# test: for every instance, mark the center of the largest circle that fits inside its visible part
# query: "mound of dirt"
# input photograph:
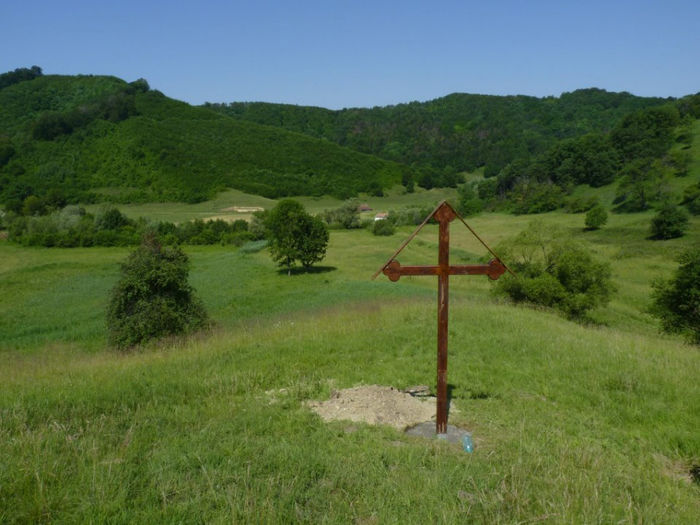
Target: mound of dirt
(377, 405)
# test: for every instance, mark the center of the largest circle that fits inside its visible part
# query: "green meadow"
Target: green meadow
(572, 423)
(225, 205)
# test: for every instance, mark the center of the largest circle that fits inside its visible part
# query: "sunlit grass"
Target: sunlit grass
(572, 423)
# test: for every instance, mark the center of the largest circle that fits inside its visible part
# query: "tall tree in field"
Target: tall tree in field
(295, 235)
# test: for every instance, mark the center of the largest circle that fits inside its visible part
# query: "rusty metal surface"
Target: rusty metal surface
(444, 214)
(494, 269)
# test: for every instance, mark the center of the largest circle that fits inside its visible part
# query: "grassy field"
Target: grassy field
(572, 423)
(224, 204)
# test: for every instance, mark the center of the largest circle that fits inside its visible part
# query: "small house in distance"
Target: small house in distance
(382, 215)
(364, 207)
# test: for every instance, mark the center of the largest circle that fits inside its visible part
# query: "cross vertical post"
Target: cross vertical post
(444, 214)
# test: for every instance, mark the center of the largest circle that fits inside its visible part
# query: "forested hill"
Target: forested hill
(71, 138)
(457, 132)
(89, 138)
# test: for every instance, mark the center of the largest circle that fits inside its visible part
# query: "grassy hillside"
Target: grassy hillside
(80, 134)
(572, 423)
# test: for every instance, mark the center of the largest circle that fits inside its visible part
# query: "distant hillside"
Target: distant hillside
(459, 131)
(92, 138)
(534, 151)
(97, 137)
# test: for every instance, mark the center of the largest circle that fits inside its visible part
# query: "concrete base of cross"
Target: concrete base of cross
(454, 434)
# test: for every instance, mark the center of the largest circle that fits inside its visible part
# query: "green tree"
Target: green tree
(153, 297)
(294, 235)
(6, 150)
(647, 133)
(677, 301)
(33, 205)
(111, 219)
(596, 217)
(50, 125)
(670, 222)
(642, 186)
(20, 74)
(590, 159)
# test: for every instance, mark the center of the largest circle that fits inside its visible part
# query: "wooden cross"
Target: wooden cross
(443, 214)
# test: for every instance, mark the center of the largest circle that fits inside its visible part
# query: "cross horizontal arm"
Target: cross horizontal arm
(394, 270)
(494, 269)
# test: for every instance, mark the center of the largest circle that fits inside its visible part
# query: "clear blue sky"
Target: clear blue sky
(361, 53)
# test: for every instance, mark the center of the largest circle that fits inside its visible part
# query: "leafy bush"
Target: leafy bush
(153, 298)
(346, 216)
(596, 218)
(383, 227)
(670, 222)
(469, 201)
(411, 215)
(677, 301)
(554, 273)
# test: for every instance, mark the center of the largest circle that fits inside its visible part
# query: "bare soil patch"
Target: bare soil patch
(376, 405)
(243, 209)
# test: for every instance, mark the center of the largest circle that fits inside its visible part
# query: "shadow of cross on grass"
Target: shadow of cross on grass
(444, 214)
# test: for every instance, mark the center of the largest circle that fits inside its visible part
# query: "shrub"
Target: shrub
(596, 218)
(677, 301)
(554, 273)
(469, 201)
(111, 219)
(153, 298)
(383, 227)
(346, 216)
(410, 216)
(670, 222)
